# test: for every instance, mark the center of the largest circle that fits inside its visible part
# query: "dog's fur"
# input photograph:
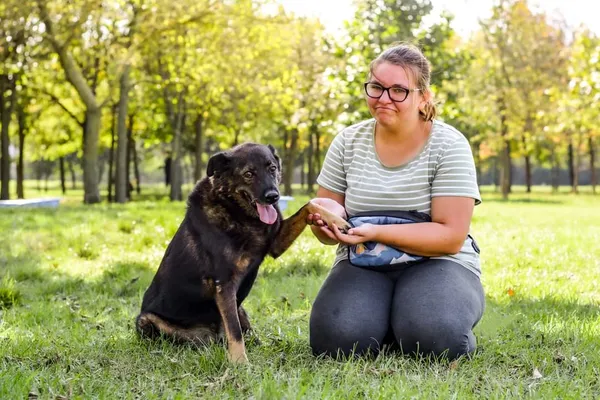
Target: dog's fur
(212, 261)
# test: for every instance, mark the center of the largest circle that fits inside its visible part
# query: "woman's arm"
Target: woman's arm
(333, 202)
(451, 219)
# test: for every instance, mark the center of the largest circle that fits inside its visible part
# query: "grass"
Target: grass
(71, 282)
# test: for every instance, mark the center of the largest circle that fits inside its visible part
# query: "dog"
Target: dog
(231, 224)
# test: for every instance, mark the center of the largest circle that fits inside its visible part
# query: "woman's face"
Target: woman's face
(383, 109)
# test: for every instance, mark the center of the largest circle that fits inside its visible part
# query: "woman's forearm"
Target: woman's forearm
(429, 239)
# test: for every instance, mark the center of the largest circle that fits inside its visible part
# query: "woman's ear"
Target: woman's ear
(427, 109)
(426, 97)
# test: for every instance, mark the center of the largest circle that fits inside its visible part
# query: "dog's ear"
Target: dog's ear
(218, 163)
(275, 155)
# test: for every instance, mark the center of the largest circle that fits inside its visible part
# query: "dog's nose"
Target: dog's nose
(272, 196)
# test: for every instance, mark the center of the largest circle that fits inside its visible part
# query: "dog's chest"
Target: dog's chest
(249, 248)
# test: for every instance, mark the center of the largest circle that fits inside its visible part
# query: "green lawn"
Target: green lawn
(71, 282)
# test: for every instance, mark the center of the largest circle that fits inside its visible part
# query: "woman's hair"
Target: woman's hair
(409, 56)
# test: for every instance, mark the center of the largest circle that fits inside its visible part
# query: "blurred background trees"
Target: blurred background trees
(111, 94)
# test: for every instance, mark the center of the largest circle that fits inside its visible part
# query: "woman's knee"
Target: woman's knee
(442, 338)
(351, 312)
(340, 336)
(442, 321)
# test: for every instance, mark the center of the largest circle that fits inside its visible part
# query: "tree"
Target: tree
(14, 31)
(60, 34)
(581, 103)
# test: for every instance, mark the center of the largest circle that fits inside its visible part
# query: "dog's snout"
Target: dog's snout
(271, 196)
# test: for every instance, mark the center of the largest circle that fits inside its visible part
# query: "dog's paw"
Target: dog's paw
(340, 222)
(329, 218)
(237, 358)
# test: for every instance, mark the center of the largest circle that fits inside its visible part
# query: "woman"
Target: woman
(402, 159)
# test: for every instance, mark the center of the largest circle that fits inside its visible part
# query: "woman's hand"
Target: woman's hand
(315, 219)
(361, 234)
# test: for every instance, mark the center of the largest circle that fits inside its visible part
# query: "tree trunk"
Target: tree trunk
(178, 121)
(555, 171)
(528, 132)
(20, 163)
(317, 153)
(528, 179)
(477, 160)
(572, 169)
(111, 155)
(122, 176)
(301, 159)
(128, 159)
(63, 185)
(136, 167)
(527, 167)
(101, 166)
(38, 175)
(505, 172)
(90, 156)
(593, 177)
(6, 108)
(284, 157)
(176, 172)
(289, 163)
(310, 159)
(495, 174)
(198, 168)
(72, 171)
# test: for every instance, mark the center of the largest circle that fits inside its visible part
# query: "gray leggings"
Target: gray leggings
(428, 308)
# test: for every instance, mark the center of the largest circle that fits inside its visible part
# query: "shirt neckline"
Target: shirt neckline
(403, 165)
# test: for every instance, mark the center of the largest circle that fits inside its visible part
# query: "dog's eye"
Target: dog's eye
(272, 168)
(248, 174)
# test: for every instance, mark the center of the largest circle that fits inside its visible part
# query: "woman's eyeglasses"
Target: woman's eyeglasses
(396, 93)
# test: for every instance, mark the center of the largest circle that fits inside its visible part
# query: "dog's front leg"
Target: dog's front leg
(226, 300)
(293, 226)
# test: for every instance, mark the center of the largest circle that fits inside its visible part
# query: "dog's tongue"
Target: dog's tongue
(267, 214)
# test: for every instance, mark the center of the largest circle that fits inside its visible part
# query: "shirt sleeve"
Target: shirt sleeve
(333, 174)
(455, 174)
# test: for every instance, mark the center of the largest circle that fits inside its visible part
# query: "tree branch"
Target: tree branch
(72, 70)
(55, 98)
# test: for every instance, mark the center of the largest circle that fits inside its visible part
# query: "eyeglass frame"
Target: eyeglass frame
(387, 89)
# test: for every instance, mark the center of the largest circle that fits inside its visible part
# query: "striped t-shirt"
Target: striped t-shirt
(444, 167)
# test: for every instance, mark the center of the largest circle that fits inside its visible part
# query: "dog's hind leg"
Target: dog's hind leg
(152, 326)
(244, 320)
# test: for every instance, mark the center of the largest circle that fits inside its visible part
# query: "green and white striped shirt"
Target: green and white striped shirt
(444, 167)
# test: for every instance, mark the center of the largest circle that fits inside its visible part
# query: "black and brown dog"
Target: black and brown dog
(232, 222)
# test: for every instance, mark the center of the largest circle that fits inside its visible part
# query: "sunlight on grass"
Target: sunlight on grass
(71, 282)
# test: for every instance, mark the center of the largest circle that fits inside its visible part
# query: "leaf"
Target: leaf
(537, 374)
(510, 292)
